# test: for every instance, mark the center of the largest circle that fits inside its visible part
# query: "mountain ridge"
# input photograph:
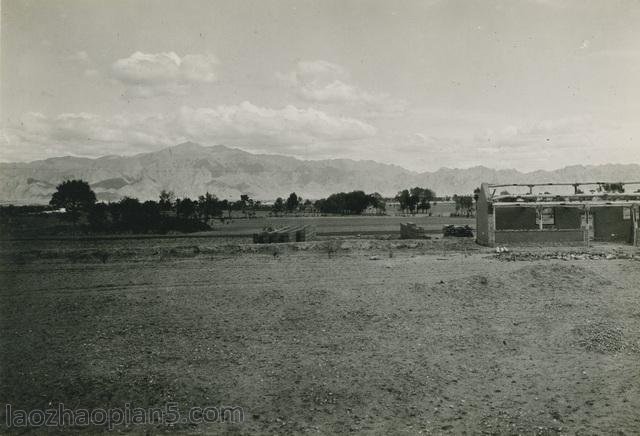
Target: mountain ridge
(191, 169)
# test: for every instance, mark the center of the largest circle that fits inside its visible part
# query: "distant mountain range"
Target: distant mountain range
(191, 169)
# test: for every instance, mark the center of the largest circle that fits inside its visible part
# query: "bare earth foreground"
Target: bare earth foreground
(369, 336)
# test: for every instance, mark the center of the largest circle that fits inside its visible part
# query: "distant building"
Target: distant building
(392, 207)
(505, 217)
(372, 210)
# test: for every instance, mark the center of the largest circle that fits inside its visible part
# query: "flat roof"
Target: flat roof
(566, 203)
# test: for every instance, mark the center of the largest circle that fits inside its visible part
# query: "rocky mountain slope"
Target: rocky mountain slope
(190, 170)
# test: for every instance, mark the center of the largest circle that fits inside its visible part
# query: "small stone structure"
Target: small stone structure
(299, 233)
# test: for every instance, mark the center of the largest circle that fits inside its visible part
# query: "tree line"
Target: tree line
(416, 199)
(169, 213)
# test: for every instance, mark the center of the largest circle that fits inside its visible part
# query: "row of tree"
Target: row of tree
(349, 203)
(416, 199)
(185, 214)
(130, 214)
(464, 205)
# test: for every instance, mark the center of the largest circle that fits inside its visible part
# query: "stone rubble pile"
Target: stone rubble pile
(528, 256)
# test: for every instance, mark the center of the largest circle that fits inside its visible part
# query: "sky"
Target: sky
(524, 84)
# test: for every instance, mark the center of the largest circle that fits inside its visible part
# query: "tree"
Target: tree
(166, 200)
(292, 202)
(75, 196)
(278, 206)
(464, 204)
(307, 206)
(185, 208)
(344, 203)
(404, 198)
(243, 204)
(420, 198)
(209, 206)
(476, 194)
(226, 205)
(151, 216)
(97, 217)
(376, 200)
(415, 199)
(131, 215)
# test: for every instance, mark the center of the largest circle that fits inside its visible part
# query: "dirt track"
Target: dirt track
(426, 338)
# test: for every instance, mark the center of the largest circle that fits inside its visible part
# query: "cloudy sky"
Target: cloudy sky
(527, 84)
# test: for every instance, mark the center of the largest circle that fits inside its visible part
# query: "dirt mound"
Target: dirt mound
(562, 255)
(561, 276)
(603, 337)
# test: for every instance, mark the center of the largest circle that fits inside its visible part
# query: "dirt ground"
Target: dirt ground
(363, 336)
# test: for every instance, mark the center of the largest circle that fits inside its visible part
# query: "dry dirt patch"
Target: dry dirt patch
(429, 340)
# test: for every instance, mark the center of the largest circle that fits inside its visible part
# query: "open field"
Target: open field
(341, 225)
(36, 227)
(369, 336)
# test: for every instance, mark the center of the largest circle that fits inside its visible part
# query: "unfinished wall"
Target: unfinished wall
(482, 217)
(539, 236)
(609, 225)
(516, 218)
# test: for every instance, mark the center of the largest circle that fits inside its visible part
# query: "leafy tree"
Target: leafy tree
(225, 205)
(246, 204)
(476, 194)
(376, 200)
(292, 202)
(166, 200)
(243, 204)
(209, 206)
(344, 203)
(75, 196)
(98, 217)
(278, 206)
(131, 215)
(404, 198)
(464, 204)
(185, 208)
(420, 198)
(151, 216)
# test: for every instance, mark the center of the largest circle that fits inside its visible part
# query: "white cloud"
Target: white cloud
(148, 75)
(289, 125)
(327, 83)
(274, 130)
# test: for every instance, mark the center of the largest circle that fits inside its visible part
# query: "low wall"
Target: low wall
(538, 236)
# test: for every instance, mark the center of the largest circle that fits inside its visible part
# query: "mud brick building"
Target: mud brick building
(591, 211)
